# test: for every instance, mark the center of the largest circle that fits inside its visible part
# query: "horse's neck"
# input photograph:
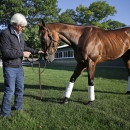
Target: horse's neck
(70, 34)
(69, 37)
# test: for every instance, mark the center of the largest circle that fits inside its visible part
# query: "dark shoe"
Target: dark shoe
(65, 100)
(4, 116)
(13, 108)
(89, 103)
(128, 92)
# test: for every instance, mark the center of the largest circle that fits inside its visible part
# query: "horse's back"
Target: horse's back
(108, 44)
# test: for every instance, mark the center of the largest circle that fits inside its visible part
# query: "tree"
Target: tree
(34, 10)
(66, 17)
(114, 24)
(96, 14)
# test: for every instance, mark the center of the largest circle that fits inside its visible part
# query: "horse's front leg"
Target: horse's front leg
(79, 69)
(91, 72)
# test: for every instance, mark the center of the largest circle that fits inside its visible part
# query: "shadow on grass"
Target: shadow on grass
(53, 100)
(108, 92)
(45, 87)
(60, 100)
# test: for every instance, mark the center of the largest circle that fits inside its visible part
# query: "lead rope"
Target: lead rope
(40, 80)
(39, 71)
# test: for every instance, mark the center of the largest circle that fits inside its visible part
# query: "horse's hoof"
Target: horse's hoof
(65, 101)
(128, 92)
(89, 103)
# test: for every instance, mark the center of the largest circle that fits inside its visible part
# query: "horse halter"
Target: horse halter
(52, 41)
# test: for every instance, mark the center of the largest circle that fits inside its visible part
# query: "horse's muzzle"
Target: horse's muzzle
(48, 58)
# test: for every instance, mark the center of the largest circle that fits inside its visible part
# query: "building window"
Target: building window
(64, 54)
(70, 53)
(58, 55)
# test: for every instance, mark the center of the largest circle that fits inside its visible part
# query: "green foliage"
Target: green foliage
(101, 10)
(61, 43)
(101, 25)
(65, 17)
(110, 110)
(96, 14)
(114, 24)
(7, 9)
(83, 14)
(34, 10)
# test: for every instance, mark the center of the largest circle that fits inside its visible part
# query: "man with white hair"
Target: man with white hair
(13, 49)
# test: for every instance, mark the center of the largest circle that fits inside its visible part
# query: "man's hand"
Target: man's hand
(26, 54)
(40, 52)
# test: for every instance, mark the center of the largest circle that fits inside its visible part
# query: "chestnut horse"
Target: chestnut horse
(91, 45)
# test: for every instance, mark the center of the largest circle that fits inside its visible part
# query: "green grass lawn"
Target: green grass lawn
(110, 110)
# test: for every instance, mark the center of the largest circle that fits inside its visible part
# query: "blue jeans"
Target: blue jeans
(14, 85)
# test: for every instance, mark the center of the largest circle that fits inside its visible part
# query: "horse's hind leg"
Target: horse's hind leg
(79, 69)
(126, 59)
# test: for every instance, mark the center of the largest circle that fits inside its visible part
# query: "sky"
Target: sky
(121, 6)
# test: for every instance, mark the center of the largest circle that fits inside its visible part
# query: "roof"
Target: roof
(63, 46)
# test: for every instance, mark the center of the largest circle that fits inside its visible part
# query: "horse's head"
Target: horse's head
(49, 41)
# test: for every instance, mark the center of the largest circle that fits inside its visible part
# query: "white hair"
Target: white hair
(18, 19)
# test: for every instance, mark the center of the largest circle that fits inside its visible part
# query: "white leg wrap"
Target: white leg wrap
(128, 88)
(91, 94)
(69, 89)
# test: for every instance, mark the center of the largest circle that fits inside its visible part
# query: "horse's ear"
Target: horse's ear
(43, 23)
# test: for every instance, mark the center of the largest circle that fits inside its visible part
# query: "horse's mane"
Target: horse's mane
(84, 25)
(87, 25)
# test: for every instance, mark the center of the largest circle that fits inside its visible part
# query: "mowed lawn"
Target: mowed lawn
(110, 110)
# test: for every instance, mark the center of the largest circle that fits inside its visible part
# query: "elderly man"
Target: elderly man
(13, 49)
